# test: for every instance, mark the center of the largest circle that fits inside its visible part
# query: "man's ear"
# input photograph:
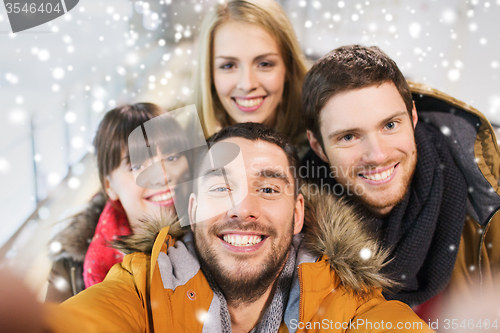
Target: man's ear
(315, 145)
(414, 115)
(192, 210)
(109, 189)
(298, 214)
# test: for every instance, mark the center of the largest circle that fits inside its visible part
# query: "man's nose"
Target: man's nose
(375, 150)
(246, 210)
(248, 80)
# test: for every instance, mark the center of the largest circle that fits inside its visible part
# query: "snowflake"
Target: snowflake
(55, 247)
(415, 29)
(61, 284)
(445, 130)
(453, 75)
(73, 183)
(365, 253)
(43, 55)
(43, 213)
(473, 26)
(4, 165)
(449, 16)
(70, 117)
(58, 73)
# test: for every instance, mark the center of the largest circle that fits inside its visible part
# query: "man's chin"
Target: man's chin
(381, 204)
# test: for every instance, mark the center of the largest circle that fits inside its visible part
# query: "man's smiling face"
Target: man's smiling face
(369, 142)
(246, 246)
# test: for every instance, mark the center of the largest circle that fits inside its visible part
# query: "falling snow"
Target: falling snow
(365, 253)
(131, 51)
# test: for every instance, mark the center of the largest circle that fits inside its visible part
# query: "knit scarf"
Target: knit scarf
(100, 257)
(273, 316)
(423, 231)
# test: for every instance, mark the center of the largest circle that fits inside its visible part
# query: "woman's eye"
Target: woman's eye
(266, 64)
(227, 66)
(135, 167)
(172, 158)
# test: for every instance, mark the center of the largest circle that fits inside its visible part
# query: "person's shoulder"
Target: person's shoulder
(378, 314)
(73, 241)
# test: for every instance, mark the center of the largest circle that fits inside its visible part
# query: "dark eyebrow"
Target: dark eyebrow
(255, 59)
(270, 173)
(219, 172)
(357, 129)
(125, 158)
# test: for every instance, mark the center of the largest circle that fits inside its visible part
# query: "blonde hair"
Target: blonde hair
(268, 15)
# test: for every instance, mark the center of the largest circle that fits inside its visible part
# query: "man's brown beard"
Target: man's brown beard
(242, 290)
(406, 181)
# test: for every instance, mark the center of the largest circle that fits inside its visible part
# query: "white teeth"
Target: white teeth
(245, 240)
(379, 176)
(162, 197)
(248, 103)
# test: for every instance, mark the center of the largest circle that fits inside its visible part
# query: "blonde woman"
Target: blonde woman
(250, 68)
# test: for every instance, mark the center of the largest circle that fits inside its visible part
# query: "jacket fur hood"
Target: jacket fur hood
(76, 237)
(335, 228)
(332, 228)
(144, 239)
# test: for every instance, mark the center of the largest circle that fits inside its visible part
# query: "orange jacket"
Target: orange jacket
(335, 290)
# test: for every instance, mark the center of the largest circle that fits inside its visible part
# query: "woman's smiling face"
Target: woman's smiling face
(139, 202)
(248, 72)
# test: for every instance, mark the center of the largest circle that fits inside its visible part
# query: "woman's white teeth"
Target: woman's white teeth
(379, 176)
(161, 197)
(248, 103)
(245, 240)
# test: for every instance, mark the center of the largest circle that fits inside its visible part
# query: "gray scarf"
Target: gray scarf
(273, 316)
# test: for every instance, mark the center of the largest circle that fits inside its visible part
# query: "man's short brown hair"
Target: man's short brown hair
(347, 68)
(256, 131)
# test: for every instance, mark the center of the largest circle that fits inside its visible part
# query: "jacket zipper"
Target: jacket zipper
(301, 301)
(481, 243)
(73, 279)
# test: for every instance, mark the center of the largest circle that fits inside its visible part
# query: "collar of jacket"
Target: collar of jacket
(464, 127)
(335, 251)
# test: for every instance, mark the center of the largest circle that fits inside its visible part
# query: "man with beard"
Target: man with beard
(428, 180)
(246, 262)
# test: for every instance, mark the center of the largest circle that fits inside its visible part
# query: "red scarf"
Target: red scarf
(100, 256)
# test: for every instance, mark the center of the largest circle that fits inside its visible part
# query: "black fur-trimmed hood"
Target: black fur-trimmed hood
(76, 237)
(332, 228)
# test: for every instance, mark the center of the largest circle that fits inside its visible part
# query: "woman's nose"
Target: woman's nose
(159, 177)
(248, 80)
